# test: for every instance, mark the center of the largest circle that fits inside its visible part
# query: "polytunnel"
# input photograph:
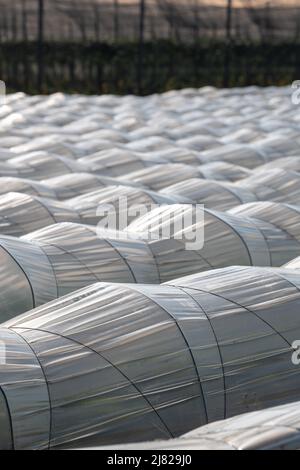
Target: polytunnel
(16, 207)
(213, 194)
(244, 135)
(26, 186)
(285, 163)
(89, 208)
(274, 146)
(236, 154)
(91, 144)
(62, 258)
(148, 144)
(275, 428)
(223, 171)
(114, 162)
(75, 184)
(226, 350)
(174, 154)
(198, 143)
(61, 187)
(72, 256)
(6, 169)
(284, 216)
(125, 201)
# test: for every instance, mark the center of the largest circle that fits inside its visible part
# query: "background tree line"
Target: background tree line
(146, 46)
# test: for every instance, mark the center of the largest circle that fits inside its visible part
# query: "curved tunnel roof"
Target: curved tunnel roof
(212, 356)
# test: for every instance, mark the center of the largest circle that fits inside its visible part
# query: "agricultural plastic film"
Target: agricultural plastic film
(223, 171)
(294, 264)
(236, 154)
(114, 162)
(286, 163)
(166, 358)
(75, 184)
(61, 187)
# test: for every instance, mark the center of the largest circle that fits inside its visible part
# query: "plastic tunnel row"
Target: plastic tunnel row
(62, 258)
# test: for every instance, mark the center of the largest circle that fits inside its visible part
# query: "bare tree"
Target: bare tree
(40, 48)
(96, 19)
(263, 20)
(116, 16)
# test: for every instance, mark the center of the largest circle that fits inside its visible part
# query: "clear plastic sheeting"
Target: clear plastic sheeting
(41, 165)
(24, 213)
(113, 162)
(116, 136)
(75, 184)
(167, 358)
(236, 154)
(6, 169)
(223, 171)
(174, 154)
(213, 194)
(25, 391)
(5, 426)
(198, 143)
(26, 186)
(274, 146)
(228, 240)
(276, 428)
(142, 352)
(62, 258)
(274, 185)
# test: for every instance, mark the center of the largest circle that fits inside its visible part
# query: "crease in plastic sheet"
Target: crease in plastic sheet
(277, 185)
(23, 383)
(16, 207)
(213, 194)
